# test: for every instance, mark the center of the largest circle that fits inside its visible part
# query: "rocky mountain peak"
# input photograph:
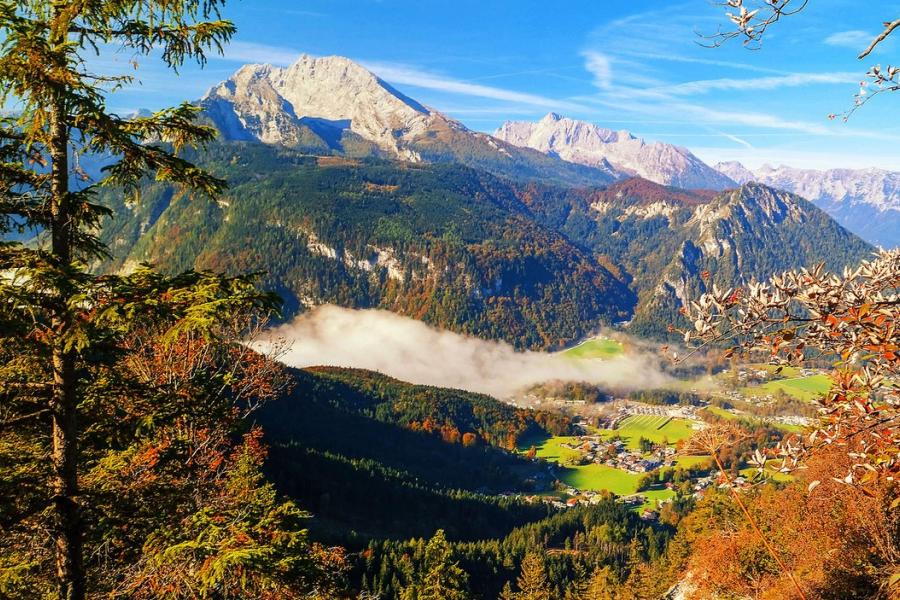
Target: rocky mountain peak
(588, 144)
(271, 103)
(865, 201)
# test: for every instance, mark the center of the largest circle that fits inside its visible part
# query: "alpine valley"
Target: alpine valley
(306, 337)
(345, 191)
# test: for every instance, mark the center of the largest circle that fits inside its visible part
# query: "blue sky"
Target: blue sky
(632, 65)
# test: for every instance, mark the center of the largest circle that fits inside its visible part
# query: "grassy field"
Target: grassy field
(600, 477)
(721, 412)
(635, 427)
(596, 477)
(596, 348)
(805, 388)
(622, 483)
(802, 388)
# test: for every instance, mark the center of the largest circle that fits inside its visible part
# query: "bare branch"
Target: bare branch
(888, 30)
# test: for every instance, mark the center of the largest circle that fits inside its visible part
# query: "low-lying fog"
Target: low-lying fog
(412, 351)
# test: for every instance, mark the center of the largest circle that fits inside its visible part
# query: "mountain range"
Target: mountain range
(334, 105)
(865, 201)
(345, 191)
(585, 143)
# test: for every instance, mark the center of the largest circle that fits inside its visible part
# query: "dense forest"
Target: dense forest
(534, 264)
(442, 243)
(671, 244)
(378, 457)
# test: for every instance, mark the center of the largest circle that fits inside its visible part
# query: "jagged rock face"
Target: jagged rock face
(865, 201)
(663, 240)
(332, 105)
(588, 144)
(273, 104)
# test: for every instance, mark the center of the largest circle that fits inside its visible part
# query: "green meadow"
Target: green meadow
(803, 388)
(596, 348)
(594, 477)
(632, 429)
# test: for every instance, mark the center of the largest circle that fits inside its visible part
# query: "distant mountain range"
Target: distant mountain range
(587, 144)
(865, 201)
(332, 105)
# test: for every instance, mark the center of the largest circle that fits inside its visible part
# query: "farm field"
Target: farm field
(600, 477)
(596, 348)
(802, 388)
(596, 477)
(635, 427)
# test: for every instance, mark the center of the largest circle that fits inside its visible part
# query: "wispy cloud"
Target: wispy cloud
(251, 52)
(400, 74)
(651, 43)
(599, 66)
(737, 140)
(704, 115)
(854, 38)
(760, 83)
(656, 39)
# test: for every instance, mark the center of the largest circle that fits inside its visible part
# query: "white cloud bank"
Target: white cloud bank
(412, 351)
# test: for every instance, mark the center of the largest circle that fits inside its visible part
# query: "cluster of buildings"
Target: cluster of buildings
(614, 453)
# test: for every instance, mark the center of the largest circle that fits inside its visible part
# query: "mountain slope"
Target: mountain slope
(333, 105)
(329, 450)
(664, 239)
(442, 243)
(585, 143)
(865, 201)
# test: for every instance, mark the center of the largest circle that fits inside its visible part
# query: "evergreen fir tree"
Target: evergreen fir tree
(532, 581)
(442, 579)
(86, 404)
(602, 585)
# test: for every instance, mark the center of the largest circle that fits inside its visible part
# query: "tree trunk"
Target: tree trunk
(66, 527)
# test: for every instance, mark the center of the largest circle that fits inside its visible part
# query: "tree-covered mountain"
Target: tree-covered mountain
(439, 242)
(374, 457)
(865, 201)
(537, 265)
(671, 244)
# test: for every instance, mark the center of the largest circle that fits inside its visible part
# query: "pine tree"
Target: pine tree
(578, 588)
(602, 585)
(64, 331)
(442, 579)
(634, 586)
(532, 581)
(506, 593)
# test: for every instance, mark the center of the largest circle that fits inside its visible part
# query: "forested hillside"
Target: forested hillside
(536, 265)
(442, 243)
(373, 457)
(671, 245)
